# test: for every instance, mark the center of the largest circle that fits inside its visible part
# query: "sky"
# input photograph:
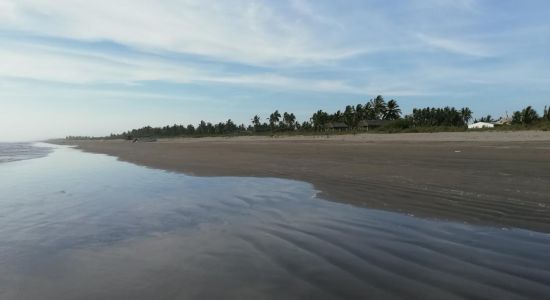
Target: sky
(80, 67)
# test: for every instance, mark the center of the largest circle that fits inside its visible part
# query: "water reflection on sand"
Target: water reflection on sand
(84, 226)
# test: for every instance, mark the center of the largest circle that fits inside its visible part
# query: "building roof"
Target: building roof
(481, 125)
(336, 125)
(503, 121)
(374, 123)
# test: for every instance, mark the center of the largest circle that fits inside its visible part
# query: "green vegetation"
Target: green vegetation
(376, 115)
(529, 119)
(527, 116)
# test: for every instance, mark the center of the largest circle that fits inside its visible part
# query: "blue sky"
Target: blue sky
(96, 67)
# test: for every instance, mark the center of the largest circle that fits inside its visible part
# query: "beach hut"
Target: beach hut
(369, 124)
(480, 125)
(337, 126)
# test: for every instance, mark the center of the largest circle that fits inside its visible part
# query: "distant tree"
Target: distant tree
(487, 119)
(319, 120)
(338, 116)
(392, 111)
(256, 122)
(529, 115)
(350, 117)
(202, 128)
(379, 107)
(447, 116)
(546, 115)
(289, 121)
(517, 118)
(230, 127)
(210, 128)
(306, 125)
(368, 111)
(526, 116)
(466, 114)
(274, 119)
(360, 111)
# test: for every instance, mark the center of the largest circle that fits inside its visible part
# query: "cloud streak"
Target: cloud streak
(455, 46)
(244, 31)
(81, 67)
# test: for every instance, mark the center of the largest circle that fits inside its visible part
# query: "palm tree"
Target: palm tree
(379, 106)
(256, 122)
(487, 119)
(289, 120)
(230, 126)
(274, 119)
(360, 111)
(350, 117)
(292, 120)
(319, 119)
(393, 112)
(529, 115)
(466, 114)
(336, 117)
(368, 111)
(517, 118)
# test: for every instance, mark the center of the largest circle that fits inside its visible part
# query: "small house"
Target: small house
(370, 124)
(336, 126)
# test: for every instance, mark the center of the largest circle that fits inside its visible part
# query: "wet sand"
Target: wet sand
(76, 225)
(492, 178)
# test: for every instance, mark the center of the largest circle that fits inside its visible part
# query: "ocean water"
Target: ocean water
(21, 151)
(75, 225)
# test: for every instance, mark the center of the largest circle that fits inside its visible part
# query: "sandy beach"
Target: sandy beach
(488, 178)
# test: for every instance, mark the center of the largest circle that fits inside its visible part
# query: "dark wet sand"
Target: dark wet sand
(500, 179)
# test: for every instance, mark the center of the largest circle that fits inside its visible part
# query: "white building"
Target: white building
(480, 125)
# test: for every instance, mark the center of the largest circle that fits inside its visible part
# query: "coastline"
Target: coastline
(487, 178)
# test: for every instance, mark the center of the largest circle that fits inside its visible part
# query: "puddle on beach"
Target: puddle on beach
(75, 225)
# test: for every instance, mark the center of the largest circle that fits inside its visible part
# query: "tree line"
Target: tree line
(529, 115)
(320, 121)
(276, 122)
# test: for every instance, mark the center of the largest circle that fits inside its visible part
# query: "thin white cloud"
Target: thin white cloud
(304, 8)
(243, 31)
(51, 64)
(455, 46)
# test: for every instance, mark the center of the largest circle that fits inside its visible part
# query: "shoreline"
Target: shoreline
(486, 178)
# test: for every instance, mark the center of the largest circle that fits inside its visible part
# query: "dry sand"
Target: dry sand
(493, 178)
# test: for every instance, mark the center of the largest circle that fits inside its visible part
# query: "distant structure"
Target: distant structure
(503, 121)
(370, 124)
(363, 125)
(480, 125)
(336, 126)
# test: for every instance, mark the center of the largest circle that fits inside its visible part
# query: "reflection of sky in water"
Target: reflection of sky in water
(78, 225)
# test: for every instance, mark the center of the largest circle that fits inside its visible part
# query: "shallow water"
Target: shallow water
(75, 225)
(21, 151)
